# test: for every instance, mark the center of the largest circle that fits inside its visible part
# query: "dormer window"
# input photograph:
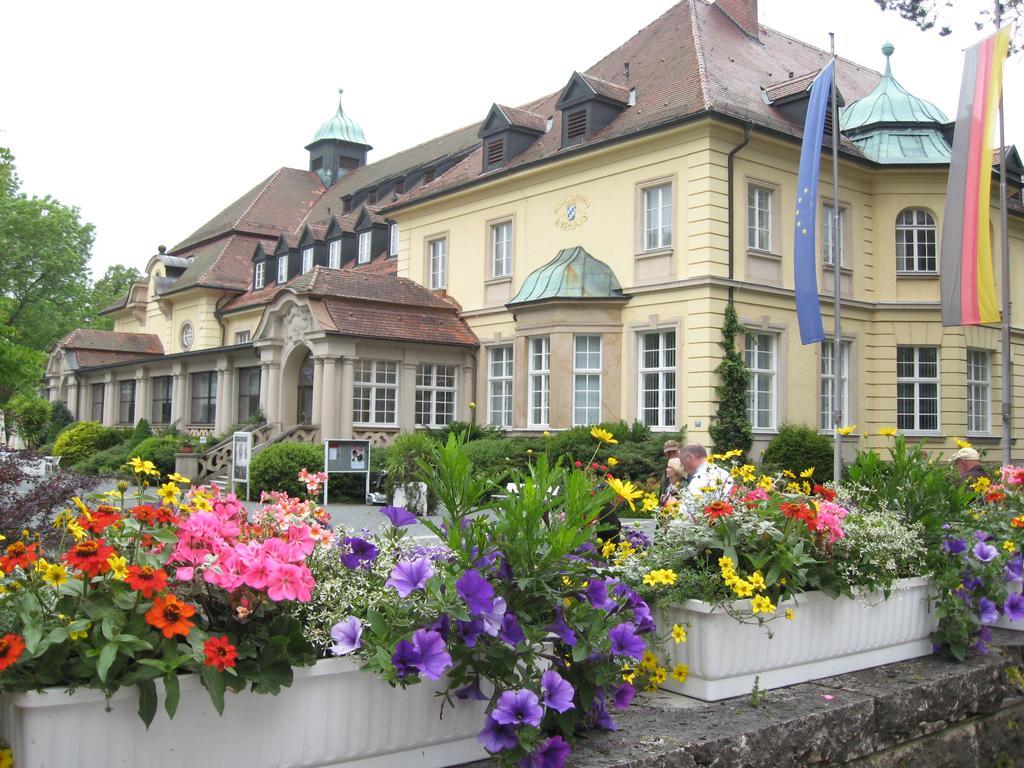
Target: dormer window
(282, 269)
(576, 124)
(393, 239)
(588, 104)
(365, 244)
(260, 278)
(307, 259)
(334, 254)
(495, 152)
(506, 132)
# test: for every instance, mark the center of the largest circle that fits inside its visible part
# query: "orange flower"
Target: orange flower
(800, 512)
(19, 554)
(146, 579)
(99, 520)
(11, 648)
(220, 653)
(89, 556)
(717, 509)
(170, 616)
(1018, 522)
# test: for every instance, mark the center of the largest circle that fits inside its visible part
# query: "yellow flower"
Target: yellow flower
(681, 672)
(766, 483)
(793, 488)
(118, 567)
(888, 431)
(659, 675)
(961, 443)
(472, 405)
(612, 461)
(743, 588)
(202, 504)
(55, 575)
(648, 660)
(168, 493)
(807, 473)
(757, 581)
(678, 633)
(788, 473)
(62, 519)
(142, 467)
(725, 563)
(608, 549)
(650, 502)
(545, 433)
(625, 489)
(6, 758)
(662, 576)
(1009, 546)
(762, 604)
(82, 509)
(847, 430)
(628, 677)
(114, 494)
(174, 477)
(603, 435)
(81, 634)
(790, 614)
(981, 485)
(76, 530)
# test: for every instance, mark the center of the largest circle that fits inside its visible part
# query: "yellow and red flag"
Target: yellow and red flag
(968, 277)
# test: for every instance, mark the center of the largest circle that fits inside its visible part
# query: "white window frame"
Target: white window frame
(539, 404)
(380, 382)
(307, 259)
(917, 382)
(657, 216)
(762, 379)
(282, 269)
(664, 372)
(584, 377)
(260, 278)
(826, 362)
(243, 337)
(759, 238)
(334, 254)
(501, 249)
(500, 369)
(393, 239)
(979, 392)
(918, 236)
(365, 246)
(437, 263)
(126, 407)
(436, 392)
(827, 248)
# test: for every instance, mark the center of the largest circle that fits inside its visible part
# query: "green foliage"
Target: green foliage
(402, 462)
(798, 447)
(30, 417)
(112, 286)
(159, 449)
(108, 462)
(730, 429)
(276, 468)
(20, 367)
(60, 417)
(82, 438)
(141, 432)
(468, 431)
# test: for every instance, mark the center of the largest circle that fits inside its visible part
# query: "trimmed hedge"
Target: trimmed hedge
(160, 450)
(276, 468)
(798, 447)
(84, 438)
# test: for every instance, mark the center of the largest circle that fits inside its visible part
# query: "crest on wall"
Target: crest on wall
(572, 212)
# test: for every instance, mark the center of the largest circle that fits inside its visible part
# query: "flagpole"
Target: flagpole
(837, 336)
(1005, 264)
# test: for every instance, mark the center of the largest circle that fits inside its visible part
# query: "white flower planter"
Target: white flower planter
(829, 636)
(332, 715)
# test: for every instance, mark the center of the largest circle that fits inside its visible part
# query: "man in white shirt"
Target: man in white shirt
(705, 478)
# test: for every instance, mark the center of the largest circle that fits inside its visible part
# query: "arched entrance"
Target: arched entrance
(298, 376)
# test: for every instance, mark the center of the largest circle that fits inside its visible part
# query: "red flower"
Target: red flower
(19, 554)
(803, 512)
(994, 496)
(579, 464)
(99, 520)
(826, 493)
(89, 556)
(147, 514)
(717, 509)
(170, 616)
(220, 653)
(11, 648)
(146, 579)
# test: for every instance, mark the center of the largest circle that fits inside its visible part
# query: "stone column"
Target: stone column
(318, 391)
(179, 396)
(274, 394)
(73, 399)
(264, 384)
(465, 395)
(407, 397)
(347, 393)
(109, 400)
(142, 403)
(329, 422)
(224, 416)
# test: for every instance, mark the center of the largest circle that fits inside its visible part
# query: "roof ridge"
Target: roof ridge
(816, 48)
(698, 50)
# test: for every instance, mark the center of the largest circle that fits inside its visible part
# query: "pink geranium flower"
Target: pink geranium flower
(287, 581)
(1012, 475)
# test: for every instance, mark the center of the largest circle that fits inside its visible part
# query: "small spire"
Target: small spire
(887, 50)
(340, 92)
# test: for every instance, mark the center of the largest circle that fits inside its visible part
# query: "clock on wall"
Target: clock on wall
(572, 212)
(188, 334)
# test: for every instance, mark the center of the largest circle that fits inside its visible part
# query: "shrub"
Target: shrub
(60, 417)
(83, 438)
(109, 461)
(465, 431)
(30, 417)
(276, 468)
(160, 450)
(798, 447)
(730, 428)
(401, 462)
(140, 433)
(31, 501)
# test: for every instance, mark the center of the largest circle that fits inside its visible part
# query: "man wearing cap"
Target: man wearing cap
(671, 451)
(968, 466)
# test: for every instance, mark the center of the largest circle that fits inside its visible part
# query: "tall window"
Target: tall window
(334, 254)
(248, 392)
(979, 384)
(97, 392)
(365, 245)
(161, 411)
(540, 381)
(827, 374)
(375, 395)
(658, 379)
(282, 269)
(261, 275)
(204, 397)
(499, 385)
(501, 249)
(917, 388)
(438, 263)
(435, 395)
(126, 402)
(657, 217)
(586, 374)
(393, 239)
(307, 259)
(759, 218)
(915, 241)
(829, 249)
(760, 359)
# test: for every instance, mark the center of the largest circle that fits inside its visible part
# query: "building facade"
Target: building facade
(569, 261)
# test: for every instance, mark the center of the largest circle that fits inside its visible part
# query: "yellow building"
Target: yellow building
(569, 261)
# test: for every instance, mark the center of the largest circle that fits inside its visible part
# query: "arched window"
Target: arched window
(915, 241)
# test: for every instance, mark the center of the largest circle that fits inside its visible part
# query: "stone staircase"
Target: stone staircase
(215, 464)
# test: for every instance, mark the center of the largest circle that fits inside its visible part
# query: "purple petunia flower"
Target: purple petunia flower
(970, 581)
(625, 641)
(470, 631)
(493, 618)
(471, 692)
(476, 591)
(347, 636)
(551, 754)
(987, 611)
(518, 708)
(982, 535)
(623, 696)
(360, 554)
(985, 552)
(597, 594)
(511, 632)
(1014, 570)
(496, 737)
(1014, 607)
(954, 546)
(557, 691)
(405, 659)
(408, 576)
(433, 654)
(399, 516)
(442, 625)
(599, 715)
(560, 628)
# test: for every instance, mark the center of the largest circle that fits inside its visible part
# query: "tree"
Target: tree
(112, 286)
(730, 429)
(20, 368)
(30, 417)
(928, 14)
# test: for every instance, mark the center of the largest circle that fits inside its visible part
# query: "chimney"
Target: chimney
(743, 12)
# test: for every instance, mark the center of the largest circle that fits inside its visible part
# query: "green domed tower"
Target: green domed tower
(338, 147)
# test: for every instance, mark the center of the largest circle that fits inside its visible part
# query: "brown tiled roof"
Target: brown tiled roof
(607, 89)
(396, 322)
(113, 341)
(379, 264)
(90, 358)
(365, 286)
(798, 84)
(222, 263)
(523, 119)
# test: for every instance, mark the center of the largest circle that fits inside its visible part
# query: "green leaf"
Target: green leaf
(173, 693)
(580, 652)
(377, 623)
(214, 682)
(33, 635)
(107, 657)
(147, 701)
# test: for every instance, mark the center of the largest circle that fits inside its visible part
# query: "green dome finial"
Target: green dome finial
(887, 51)
(341, 127)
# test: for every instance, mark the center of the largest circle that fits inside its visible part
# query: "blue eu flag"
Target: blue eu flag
(805, 272)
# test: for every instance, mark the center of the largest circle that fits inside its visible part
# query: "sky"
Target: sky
(152, 118)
